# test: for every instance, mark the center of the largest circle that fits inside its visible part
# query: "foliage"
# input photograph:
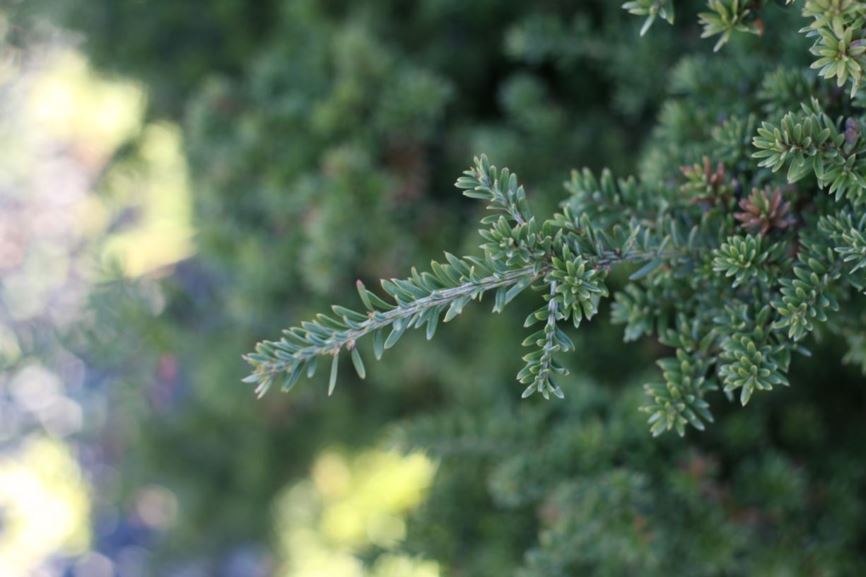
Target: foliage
(297, 117)
(321, 141)
(740, 334)
(577, 486)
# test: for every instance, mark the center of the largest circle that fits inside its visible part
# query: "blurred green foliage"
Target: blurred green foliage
(322, 138)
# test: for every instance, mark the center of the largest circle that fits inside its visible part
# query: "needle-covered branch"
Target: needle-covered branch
(837, 27)
(421, 300)
(565, 255)
(726, 263)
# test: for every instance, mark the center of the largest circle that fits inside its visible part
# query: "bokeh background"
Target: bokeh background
(181, 179)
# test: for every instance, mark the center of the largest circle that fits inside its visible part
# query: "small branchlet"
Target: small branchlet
(839, 31)
(420, 300)
(652, 9)
(724, 17)
(810, 142)
(765, 210)
(752, 357)
(706, 183)
(540, 365)
(743, 258)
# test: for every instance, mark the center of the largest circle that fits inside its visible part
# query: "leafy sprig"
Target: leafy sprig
(652, 9)
(809, 141)
(732, 282)
(837, 27)
(724, 17)
(839, 31)
(420, 300)
(565, 254)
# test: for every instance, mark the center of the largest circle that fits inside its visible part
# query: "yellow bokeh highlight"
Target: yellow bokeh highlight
(68, 115)
(402, 566)
(44, 505)
(69, 102)
(364, 503)
(158, 185)
(348, 504)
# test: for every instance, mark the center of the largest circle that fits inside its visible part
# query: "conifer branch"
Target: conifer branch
(417, 301)
(810, 142)
(651, 9)
(839, 30)
(540, 366)
(731, 280)
(566, 254)
(724, 17)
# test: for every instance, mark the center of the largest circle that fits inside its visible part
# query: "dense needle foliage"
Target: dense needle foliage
(323, 138)
(734, 265)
